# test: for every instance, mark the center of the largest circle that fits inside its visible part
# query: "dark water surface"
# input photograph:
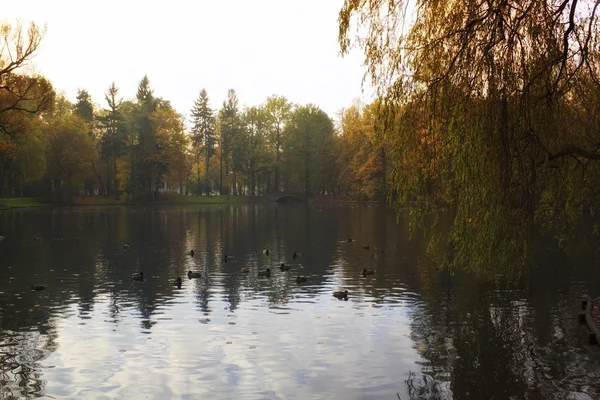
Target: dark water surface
(409, 330)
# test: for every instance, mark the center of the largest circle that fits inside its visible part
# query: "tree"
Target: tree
(114, 138)
(204, 133)
(84, 107)
(22, 94)
(278, 109)
(171, 144)
(252, 144)
(487, 109)
(229, 127)
(70, 155)
(360, 156)
(146, 104)
(308, 131)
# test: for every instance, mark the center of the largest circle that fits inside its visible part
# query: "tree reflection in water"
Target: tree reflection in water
(467, 338)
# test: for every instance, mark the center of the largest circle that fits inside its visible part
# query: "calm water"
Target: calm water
(409, 330)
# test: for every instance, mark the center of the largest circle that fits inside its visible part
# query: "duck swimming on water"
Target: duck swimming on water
(137, 276)
(176, 282)
(266, 273)
(341, 295)
(284, 267)
(194, 274)
(301, 279)
(37, 288)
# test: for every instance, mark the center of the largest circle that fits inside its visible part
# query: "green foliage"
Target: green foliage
(278, 110)
(204, 134)
(308, 133)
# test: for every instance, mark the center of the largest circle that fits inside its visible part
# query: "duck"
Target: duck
(266, 252)
(367, 247)
(296, 255)
(194, 274)
(176, 282)
(192, 253)
(266, 273)
(245, 270)
(137, 276)
(301, 279)
(284, 267)
(341, 295)
(37, 288)
(366, 272)
(350, 239)
(227, 258)
(126, 246)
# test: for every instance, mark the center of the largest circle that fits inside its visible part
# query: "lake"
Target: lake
(408, 331)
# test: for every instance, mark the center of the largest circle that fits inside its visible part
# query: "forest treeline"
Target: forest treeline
(139, 146)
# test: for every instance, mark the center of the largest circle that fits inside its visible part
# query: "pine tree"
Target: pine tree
(204, 135)
(146, 104)
(113, 140)
(84, 107)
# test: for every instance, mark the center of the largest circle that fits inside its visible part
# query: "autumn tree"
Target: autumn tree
(487, 109)
(70, 154)
(170, 154)
(204, 134)
(360, 157)
(20, 94)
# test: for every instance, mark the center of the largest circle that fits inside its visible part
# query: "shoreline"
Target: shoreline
(171, 200)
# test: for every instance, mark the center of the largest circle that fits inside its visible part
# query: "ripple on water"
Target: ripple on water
(145, 391)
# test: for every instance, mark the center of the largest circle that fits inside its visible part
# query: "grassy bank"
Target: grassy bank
(6, 204)
(164, 199)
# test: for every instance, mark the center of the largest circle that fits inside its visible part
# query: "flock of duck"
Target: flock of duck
(139, 276)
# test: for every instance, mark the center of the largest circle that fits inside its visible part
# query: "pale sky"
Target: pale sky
(258, 48)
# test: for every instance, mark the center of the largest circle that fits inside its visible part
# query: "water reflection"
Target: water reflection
(408, 329)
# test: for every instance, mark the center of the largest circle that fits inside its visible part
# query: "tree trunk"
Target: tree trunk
(198, 167)
(115, 178)
(306, 177)
(234, 183)
(277, 172)
(180, 182)
(98, 177)
(221, 173)
(206, 172)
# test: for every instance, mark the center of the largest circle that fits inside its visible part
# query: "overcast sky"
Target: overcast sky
(258, 48)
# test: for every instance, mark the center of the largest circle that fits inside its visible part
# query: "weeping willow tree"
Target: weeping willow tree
(490, 109)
